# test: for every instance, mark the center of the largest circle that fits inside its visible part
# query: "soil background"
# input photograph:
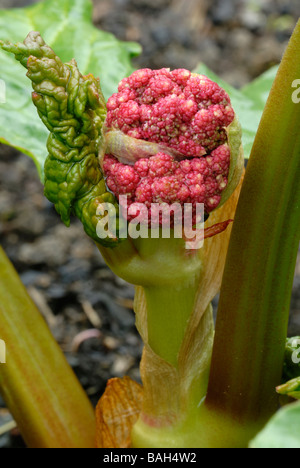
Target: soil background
(61, 268)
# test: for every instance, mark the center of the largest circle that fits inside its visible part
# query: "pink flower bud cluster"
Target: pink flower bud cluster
(181, 111)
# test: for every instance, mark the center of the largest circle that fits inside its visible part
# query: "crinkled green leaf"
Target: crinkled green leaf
(282, 431)
(249, 102)
(73, 109)
(66, 26)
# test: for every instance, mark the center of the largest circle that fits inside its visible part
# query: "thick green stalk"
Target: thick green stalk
(168, 277)
(168, 312)
(173, 393)
(169, 274)
(174, 318)
(255, 297)
(37, 384)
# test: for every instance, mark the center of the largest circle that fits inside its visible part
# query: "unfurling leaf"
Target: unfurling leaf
(291, 388)
(73, 109)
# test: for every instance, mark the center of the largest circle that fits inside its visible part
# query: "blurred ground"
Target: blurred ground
(61, 267)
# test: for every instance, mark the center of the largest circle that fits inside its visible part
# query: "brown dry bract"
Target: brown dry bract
(117, 411)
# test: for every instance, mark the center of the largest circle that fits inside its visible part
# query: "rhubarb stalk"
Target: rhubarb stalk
(37, 383)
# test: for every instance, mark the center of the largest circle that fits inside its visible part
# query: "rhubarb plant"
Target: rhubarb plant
(154, 173)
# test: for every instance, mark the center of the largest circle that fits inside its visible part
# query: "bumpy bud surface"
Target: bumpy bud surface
(183, 120)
